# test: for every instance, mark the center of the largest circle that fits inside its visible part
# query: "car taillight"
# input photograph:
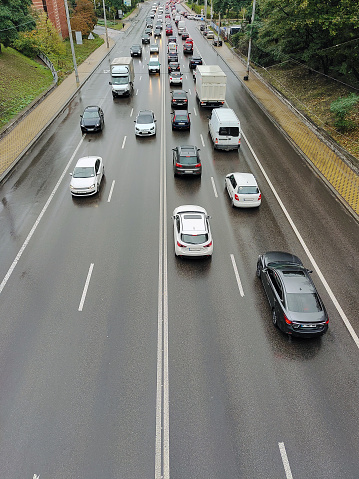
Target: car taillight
(239, 141)
(216, 140)
(178, 165)
(208, 245)
(288, 321)
(180, 245)
(236, 197)
(260, 196)
(185, 100)
(327, 321)
(198, 165)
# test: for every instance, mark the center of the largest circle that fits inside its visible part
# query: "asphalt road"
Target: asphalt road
(119, 360)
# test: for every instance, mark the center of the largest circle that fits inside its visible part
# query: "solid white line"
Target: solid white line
(195, 111)
(237, 276)
(123, 143)
(86, 287)
(285, 460)
(306, 249)
(131, 112)
(111, 190)
(202, 139)
(214, 187)
(32, 231)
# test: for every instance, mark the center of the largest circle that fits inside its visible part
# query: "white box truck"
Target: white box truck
(211, 84)
(122, 76)
(225, 129)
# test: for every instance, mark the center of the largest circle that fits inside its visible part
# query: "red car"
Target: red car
(169, 31)
(189, 40)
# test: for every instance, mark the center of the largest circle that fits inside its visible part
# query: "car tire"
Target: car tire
(258, 271)
(232, 202)
(274, 318)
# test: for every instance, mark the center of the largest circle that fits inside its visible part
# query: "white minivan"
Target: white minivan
(225, 129)
(181, 27)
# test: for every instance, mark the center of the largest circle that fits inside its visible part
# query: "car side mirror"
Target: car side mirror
(110, 83)
(309, 271)
(70, 174)
(264, 270)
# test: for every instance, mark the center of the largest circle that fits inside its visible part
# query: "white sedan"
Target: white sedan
(87, 176)
(192, 233)
(243, 190)
(154, 48)
(145, 123)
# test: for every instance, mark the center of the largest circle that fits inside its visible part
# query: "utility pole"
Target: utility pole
(104, 17)
(71, 43)
(250, 41)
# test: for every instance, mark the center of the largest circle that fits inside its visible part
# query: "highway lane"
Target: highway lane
(85, 390)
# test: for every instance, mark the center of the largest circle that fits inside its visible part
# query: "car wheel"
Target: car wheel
(258, 271)
(232, 202)
(274, 318)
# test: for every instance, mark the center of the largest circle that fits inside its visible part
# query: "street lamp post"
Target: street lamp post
(71, 42)
(104, 17)
(246, 77)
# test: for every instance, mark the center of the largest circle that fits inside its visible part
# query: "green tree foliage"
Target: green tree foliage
(342, 107)
(322, 33)
(84, 18)
(15, 17)
(44, 38)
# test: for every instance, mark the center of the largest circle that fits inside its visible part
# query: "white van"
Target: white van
(172, 47)
(225, 129)
(181, 27)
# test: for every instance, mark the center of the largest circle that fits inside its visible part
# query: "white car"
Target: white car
(192, 233)
(145, 123)
(243, 190)
(175, 78)
(87, 176)
(154, 48)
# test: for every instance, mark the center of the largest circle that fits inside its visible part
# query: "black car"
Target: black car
(145, 38)
(296, 306)
(157, 32)
(185, 35)
(181, 120)
(216, 42)
(179, 99)
(186, 160)
(202, 27)
(172, 57)
(187, 48)
(92, 119)
(136, 51)
(174, 67)
(194, 61)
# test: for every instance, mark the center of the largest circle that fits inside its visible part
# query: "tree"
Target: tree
(84, 18)
(15, 17)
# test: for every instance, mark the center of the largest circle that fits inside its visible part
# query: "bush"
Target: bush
(341, 108)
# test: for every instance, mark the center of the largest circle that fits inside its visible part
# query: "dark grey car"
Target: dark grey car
(296, 306)
(136, 51)
(186, 161)
(92, 119)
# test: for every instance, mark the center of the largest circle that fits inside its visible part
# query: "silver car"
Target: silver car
(154, 48)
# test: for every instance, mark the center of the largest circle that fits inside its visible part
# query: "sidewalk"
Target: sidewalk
(343, 180)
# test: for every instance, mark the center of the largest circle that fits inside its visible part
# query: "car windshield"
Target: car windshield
(303, 302)
(90, 114)
(83, 172)
(119, 80)
(154, 63)
(248, 190)
(194, 239)
(188, 160)
(144, 119)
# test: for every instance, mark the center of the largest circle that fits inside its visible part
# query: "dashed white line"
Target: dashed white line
(237, 276)
(131, 112)
(140, 77)
(189, 91)
(283, 453)
(111, 190)
(194, 110)
(136, 91)
(123, 143)
(214, 187)
(202, 139)
(83, 297)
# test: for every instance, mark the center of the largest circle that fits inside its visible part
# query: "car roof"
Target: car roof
(181, 113)
(91, 108)
(179, 93)
(187, 149)
(245, 179)
(87, 161)
(295, 279)
(145, 112)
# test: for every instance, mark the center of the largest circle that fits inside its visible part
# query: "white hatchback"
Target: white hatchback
(243, 190)
(192, 233)
(145, 123)
(87, 176)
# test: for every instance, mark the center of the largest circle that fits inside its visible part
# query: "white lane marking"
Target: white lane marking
(283, 453)
(306, 249)
(136, 91)
(237, 276)
(202, 139)
(123, 143)
(189, 91)
(162, 470)
(194, 110)
(83, 297)
(111, 190)
(131, 112)
(214, 187)
(32, 231)
(140, 77)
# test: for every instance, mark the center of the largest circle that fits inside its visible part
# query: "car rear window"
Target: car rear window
(181, 117)
(194, 239)
(229, 130)
(248, 190)
(303, 302)
(179, 94)
(188, 160)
